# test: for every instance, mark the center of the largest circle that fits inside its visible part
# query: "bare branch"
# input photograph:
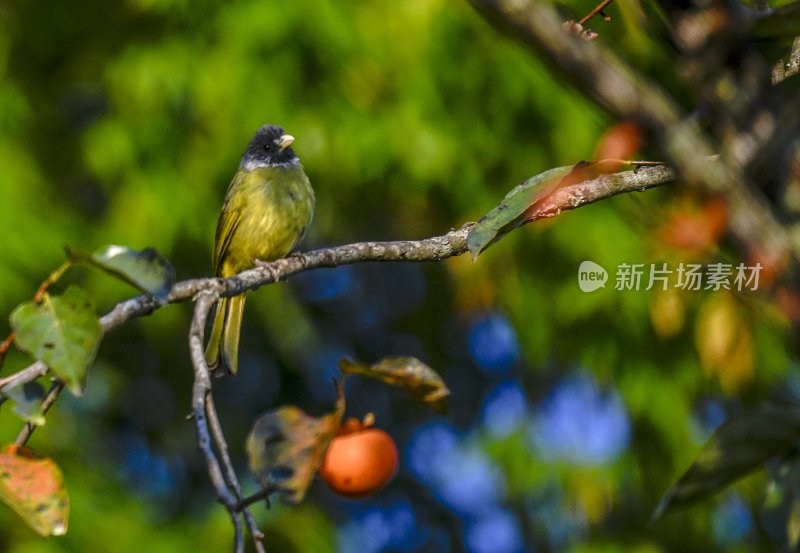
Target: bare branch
(5, 345)
(261, 495)
(28, 374)
(436, 248)
(604, 186)
(200, 392)
(230, 474)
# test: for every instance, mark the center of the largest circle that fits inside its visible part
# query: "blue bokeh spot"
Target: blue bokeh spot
(493, 344)
(496, 532)
(505, 409)
(393, 528)
(460, 476)
(732, 521)
(325, 285)
(581, 424)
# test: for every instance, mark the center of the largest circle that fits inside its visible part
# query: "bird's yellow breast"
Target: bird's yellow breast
(266, 213)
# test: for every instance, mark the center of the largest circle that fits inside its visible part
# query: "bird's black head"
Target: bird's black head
(270, 146)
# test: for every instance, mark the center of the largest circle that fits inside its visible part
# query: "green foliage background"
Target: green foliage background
(122, 123)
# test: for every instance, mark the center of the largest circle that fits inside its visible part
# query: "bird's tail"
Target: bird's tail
(223, 346)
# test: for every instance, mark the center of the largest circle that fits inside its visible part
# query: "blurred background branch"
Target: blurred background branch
(612, 83)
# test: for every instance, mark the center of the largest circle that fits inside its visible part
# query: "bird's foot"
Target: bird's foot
(269, 267)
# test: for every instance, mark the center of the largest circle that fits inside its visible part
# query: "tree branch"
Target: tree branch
(201, 391)
(230, 473)
(28, 374)
(436, 248)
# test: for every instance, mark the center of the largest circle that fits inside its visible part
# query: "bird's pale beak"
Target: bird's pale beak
(285, 141)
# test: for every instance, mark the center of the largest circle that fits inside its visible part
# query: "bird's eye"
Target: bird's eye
(267, 147)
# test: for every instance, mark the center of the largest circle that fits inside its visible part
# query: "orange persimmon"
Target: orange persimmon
(359, 461)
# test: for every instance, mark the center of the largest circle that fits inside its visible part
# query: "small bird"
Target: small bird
(268, 206)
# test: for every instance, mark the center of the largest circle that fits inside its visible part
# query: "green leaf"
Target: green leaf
(27, 401)
(286, 447)
(511, 212)
(408, 372)
(736, 449)
(35, 489)
(63, 331)
(144, 269)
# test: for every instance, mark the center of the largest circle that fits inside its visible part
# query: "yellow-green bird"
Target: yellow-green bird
(268, 206)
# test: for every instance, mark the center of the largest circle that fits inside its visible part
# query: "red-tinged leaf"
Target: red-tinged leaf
(35, 489)
(513, 210)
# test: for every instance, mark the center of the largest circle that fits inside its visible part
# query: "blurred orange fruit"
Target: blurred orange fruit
(359, 461)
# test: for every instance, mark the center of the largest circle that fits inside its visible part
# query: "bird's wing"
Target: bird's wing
(229, 221)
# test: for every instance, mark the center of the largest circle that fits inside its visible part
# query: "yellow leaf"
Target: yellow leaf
(724, 342)
(667, 313)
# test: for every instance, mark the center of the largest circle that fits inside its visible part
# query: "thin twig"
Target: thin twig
(230, 473)
(261, 495)
(5, 346)
(47, 402)
(594, 12)
(200, 391)
(206, 420)
(28, 374)
(50, 280)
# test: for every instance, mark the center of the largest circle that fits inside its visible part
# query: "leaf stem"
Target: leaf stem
(50, 280)
(5, 346)
(599, 9)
